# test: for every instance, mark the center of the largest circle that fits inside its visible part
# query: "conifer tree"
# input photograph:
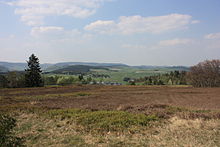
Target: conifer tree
(33, 73)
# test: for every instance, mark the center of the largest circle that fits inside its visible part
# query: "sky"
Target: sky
(134, 32)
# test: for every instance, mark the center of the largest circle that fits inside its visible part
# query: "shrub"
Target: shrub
(7, 136)
(205, 74)
(65, 80)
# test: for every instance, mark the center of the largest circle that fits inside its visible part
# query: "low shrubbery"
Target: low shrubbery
(104, 120)
(7, 136)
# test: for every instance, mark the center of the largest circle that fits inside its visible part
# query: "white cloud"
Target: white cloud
(139, 24)
(213, 36)
(32, 20)
(159, 45)
(56, 34)
(33, 12)
(195, 21)
(175, 42)
(134, 46)
(38, 31)
(102, 27)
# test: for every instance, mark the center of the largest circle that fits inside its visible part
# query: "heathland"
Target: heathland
(98, 115)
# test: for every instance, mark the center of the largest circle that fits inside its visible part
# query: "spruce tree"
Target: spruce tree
(33, 73)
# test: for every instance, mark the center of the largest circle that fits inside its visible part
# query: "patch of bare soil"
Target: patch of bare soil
(129, 98)
(140, 97)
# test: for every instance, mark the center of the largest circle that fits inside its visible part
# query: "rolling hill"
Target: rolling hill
(11, 66)
(76, 69)
(52, 67)
(3, 69)
(82, 66)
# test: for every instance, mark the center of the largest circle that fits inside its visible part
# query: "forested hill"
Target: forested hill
(76, 69)
(9, 66)
(51, 67)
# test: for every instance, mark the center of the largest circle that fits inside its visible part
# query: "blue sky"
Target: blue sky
(135, 32)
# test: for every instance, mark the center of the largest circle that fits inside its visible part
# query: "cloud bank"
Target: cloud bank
(175, 42)
(139, 24)
(33, 12)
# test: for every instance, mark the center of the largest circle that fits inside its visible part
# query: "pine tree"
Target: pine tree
(33, 73)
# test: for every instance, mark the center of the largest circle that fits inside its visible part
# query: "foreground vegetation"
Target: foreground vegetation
(7, 136)
(44, 131)
(98, 119)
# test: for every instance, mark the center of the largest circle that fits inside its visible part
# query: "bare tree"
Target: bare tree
(205, 74)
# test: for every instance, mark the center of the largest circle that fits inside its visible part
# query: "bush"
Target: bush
(15, 79)
(3, 81)
(7, 136)
(65, 81)
(205, 74)
(50, 80)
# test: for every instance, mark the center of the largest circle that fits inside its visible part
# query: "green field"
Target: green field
(118, 74)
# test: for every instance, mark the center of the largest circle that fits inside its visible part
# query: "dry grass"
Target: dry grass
(187, 133)
(185, 116)
(42, 131)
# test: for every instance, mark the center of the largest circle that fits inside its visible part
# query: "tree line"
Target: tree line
(172, 78)
(204, 74)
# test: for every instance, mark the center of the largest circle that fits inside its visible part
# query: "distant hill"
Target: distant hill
(62, 65)
(89, 64)
(3, 69)
(179, 68)
(51, 67)
(65, 64)
(76, 69)
(19, 66)
(14, 66)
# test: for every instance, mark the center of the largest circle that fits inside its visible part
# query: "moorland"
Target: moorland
(97, 115)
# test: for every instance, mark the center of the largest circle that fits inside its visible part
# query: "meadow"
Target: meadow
(114, 74)
(118, 74)
(95, 115)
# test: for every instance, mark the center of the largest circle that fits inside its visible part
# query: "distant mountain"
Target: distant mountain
(76, 69)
